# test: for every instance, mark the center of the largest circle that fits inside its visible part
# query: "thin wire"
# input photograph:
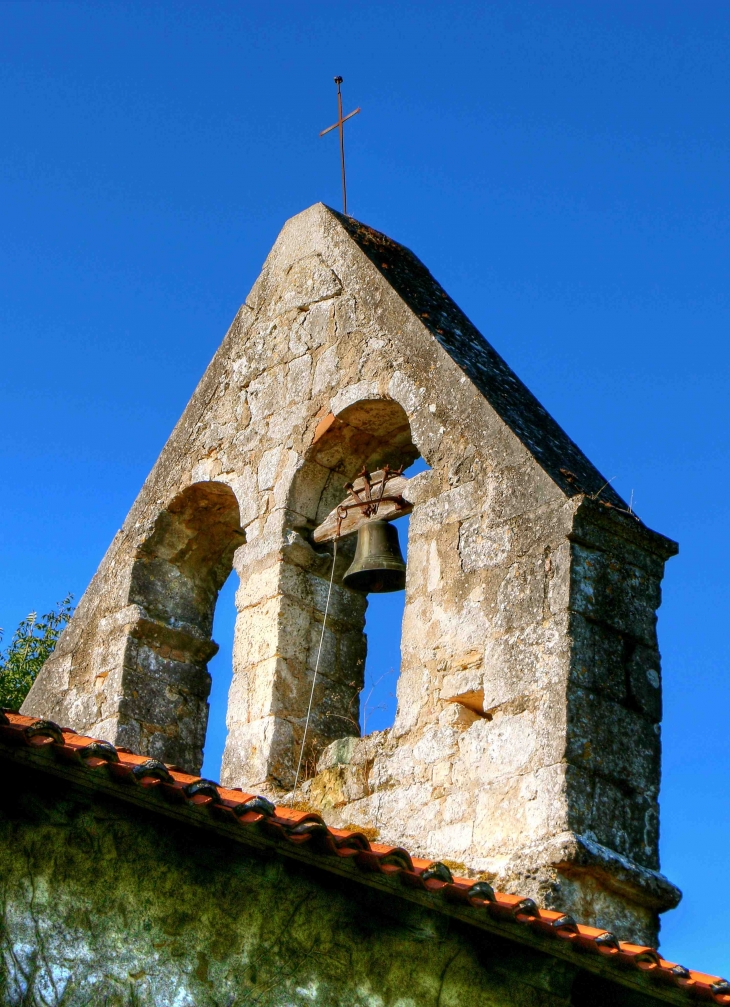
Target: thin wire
(316, 669)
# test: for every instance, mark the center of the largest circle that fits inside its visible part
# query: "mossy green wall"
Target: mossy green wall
(107, 904)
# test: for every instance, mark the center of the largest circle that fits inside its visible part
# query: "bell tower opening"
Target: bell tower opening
(176, 577)
(372, 436)
(220, 668)
(383, 631)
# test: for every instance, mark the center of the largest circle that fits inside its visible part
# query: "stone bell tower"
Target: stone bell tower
(526, 742)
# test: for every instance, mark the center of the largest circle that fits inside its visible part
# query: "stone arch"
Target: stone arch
(286, 601)
(370, 433)
(176, 575)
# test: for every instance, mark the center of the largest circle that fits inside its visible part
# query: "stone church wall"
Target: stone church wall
(107, 904)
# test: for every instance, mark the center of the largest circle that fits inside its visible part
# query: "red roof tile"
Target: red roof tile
(305, 835)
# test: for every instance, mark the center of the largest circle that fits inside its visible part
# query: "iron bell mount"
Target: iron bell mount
(372, 501)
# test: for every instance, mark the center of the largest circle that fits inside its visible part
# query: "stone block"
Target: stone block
(256, 688)
(610, 591)
(338, 786)
(515, 492)
(405, 391)
(299, 378)
(288, 466)
(154, 706)
(308, 280)
(481, 546)
(307, 488)
(616, 816)
(441, 776)
(257, 631)
(456, 504)
(319, 324)
(598, 658)
(244, 485)
(412, 692)
(266, 473)
(459, 716)
(645, 686)
(288, 426)
(339, 753)
(450, 841)
(512, 812)
(521, 597)
(259, 755)
(504, 746)
(334, 712)
(436, 744)
(326, 370)
(266, 393)
(318, 646)
(260, 586)
(606, 739)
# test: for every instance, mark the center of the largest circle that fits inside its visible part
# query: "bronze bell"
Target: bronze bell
(378, 565)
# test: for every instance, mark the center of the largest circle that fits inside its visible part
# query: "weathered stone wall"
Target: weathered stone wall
(108, 904)
(525, 744)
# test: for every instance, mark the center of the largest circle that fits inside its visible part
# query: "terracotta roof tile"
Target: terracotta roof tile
(301, 829)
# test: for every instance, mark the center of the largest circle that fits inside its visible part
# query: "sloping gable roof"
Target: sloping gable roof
(98, 765)
(552, 448)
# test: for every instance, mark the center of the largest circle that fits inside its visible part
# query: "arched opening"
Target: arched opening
(177, 575)
(370, 434)
(383, 628)
(220, 667)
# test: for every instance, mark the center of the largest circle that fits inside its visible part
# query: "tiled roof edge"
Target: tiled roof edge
(305, 836)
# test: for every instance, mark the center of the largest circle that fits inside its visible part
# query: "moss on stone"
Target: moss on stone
(107, 904)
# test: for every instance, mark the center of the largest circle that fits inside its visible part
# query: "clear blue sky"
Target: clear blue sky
(562, 168)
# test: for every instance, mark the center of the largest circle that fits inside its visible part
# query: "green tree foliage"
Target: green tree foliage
(32, 643)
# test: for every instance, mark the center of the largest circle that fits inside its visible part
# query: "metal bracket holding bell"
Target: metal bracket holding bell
(372, 501)
(381, 493)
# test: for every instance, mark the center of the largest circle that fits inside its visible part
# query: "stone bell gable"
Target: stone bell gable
(526, 742)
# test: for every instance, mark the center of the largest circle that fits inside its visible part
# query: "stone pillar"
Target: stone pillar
(140, 678)
(281, 605)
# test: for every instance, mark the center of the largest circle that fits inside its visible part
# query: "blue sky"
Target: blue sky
(562, 168)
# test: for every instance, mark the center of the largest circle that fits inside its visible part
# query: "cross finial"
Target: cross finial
(340, 122)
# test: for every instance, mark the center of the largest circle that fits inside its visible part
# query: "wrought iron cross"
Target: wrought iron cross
(340, 122)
